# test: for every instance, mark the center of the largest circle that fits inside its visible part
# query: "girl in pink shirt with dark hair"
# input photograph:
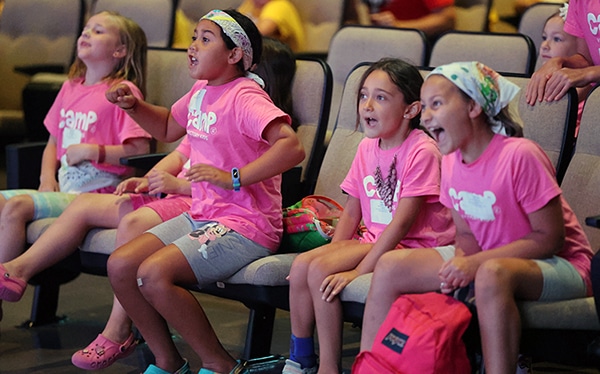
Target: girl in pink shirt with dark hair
(393, 187)
(516, 237)
(240, 144)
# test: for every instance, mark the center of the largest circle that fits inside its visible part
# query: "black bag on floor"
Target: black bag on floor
(272, 364)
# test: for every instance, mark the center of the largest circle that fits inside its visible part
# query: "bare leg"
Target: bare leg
(17, 211)
(396, 273)
(132, 225)
(329, 317)
(306, 304)
(497, 282)
(160, 269)
(85, 212)
(123, 267)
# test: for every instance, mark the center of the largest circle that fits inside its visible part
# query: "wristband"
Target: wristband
(101, 154)
(235, 179)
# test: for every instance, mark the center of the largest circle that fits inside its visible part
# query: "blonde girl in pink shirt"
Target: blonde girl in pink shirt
(88, 136)
(516, 237)
(393, 187)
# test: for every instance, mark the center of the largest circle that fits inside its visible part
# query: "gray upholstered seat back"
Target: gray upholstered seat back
(33, 32)
(550, 124)
(582, 179)
(352, 45)
(168, 80)
(505, 53)
(155, 17)
(311, 95)
(342, 146)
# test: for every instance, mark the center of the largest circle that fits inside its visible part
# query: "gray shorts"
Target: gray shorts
(213, 251)
(561, 279)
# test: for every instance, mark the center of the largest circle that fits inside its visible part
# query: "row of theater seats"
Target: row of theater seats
(54, 25)
(507, 53)
(262, 287)
(35, 21)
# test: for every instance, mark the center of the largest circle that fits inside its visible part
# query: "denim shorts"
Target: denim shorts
(214, 251)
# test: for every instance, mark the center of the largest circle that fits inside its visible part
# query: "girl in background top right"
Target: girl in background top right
(558, 74)
(558, 43)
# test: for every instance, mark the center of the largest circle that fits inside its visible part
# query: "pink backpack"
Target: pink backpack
(422, 333)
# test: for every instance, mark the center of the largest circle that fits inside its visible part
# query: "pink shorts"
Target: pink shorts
(166, 208)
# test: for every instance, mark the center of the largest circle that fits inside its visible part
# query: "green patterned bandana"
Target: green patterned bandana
(486, 87)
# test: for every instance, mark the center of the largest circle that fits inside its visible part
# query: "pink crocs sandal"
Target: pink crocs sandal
(102, 352)
(11, 288)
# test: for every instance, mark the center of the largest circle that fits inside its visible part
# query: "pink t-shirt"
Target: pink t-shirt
(225, 125)
(414, 9)
(418, 172)
(495, 194)
(82, 115)
(184, 149)
(583, 20)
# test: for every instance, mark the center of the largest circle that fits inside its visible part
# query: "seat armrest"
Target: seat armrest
(142, 162)
(24, 165)
(34, 69)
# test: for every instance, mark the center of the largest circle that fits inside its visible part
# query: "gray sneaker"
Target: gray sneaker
(292, 367)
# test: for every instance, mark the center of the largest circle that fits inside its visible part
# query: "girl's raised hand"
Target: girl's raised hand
(135, 184)
(121, 95)
(334, 284)
(210, 174)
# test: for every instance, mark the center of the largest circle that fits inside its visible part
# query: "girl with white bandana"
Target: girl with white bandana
(240, 144)
(516, 237)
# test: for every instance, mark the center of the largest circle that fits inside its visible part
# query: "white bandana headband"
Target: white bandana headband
(563, 11)
(488, 88)
(234, 31)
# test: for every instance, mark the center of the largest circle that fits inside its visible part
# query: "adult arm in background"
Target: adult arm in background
(552, 81)
(440, 20)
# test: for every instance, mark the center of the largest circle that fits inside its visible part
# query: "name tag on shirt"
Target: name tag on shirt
(380, 213)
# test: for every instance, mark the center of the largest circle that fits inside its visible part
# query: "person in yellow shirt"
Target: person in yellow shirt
(278, 19)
